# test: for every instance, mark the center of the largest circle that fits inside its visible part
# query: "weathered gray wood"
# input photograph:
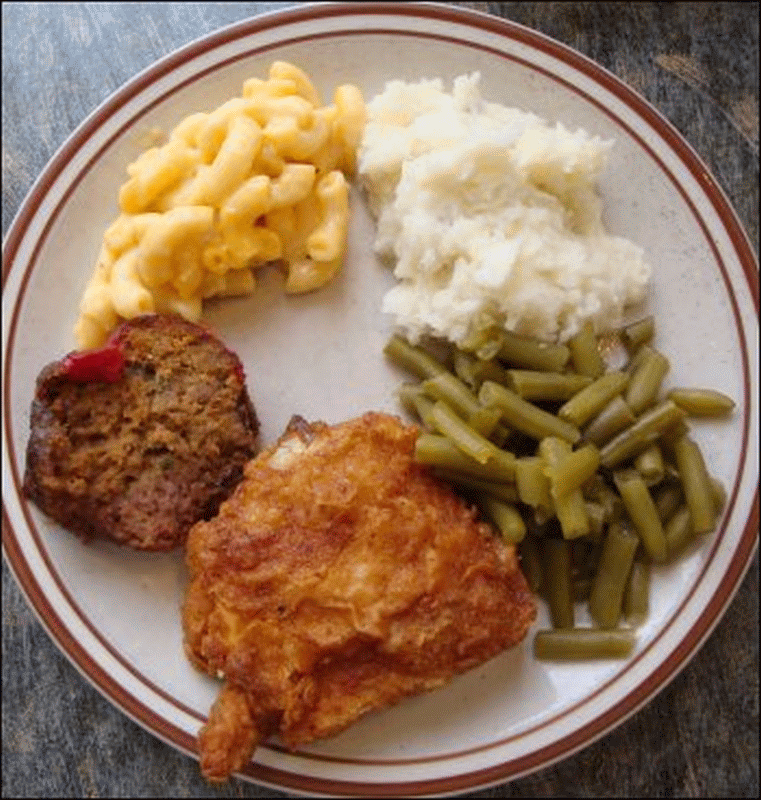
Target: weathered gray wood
(697, 63)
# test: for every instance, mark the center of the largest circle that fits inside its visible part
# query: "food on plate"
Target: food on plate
(491, 218)
(136, 441)
(702, 402)
(259, 179)
(581, 644)
(593, 475)
(339, 578)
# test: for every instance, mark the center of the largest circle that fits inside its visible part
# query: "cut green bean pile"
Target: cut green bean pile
(590, 472)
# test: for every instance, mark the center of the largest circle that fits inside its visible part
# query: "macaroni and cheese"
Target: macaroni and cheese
(259, 179)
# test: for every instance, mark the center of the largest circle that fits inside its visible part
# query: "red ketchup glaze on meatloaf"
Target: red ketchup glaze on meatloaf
(105, 364)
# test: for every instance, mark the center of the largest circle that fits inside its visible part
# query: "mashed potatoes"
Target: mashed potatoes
(490, 217)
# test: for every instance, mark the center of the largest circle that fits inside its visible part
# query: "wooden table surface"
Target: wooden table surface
(698, 63)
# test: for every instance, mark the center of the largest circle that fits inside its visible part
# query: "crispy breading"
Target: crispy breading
(339, 578)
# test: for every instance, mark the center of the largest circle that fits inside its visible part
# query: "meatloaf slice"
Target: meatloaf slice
(137, 441)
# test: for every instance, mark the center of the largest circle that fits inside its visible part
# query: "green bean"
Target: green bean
(569, 506)
(463, 368)
(646, 380)
(485, 420)
(528, 550)
(488, 369)
(581, 644)
(649, 464)
(407, 393)
(575, 469)
(506, 518)
(500, 434)
(532, 484)
(667, 500)
(613, 570)
(520, 351)
(415, 401)
(598, 519)
(674, 432)
(485, 343)
(642, 512)
(524, 416)
(611, 420)
(702, 402)
(536, 385)
(504, 464)
(590, 401)
(680, 532)
(639, 436)
(462, 435)
(638, 333)
(585, 354)
(412, 358)
(556, 572)
(439, 451)
(501, 491)
(719, 494)
(637, 594)
(635, 359)
(452, 391)
(696, 484)
(424, 408)
(600, 492)
(474, 371)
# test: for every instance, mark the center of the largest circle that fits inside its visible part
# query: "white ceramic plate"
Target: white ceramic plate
(320, 356)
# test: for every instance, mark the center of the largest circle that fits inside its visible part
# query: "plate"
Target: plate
(320, 356)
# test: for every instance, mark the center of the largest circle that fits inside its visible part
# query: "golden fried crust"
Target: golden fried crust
(339, 578)
(230, 736)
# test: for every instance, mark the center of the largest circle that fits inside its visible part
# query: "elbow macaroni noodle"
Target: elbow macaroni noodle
(260, 179)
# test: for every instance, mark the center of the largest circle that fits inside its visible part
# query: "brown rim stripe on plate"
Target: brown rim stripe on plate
(741, 558)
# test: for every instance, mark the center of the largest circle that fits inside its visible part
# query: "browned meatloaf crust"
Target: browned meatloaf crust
(139, 440)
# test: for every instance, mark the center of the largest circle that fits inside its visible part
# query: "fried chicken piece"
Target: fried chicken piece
(339, 578)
